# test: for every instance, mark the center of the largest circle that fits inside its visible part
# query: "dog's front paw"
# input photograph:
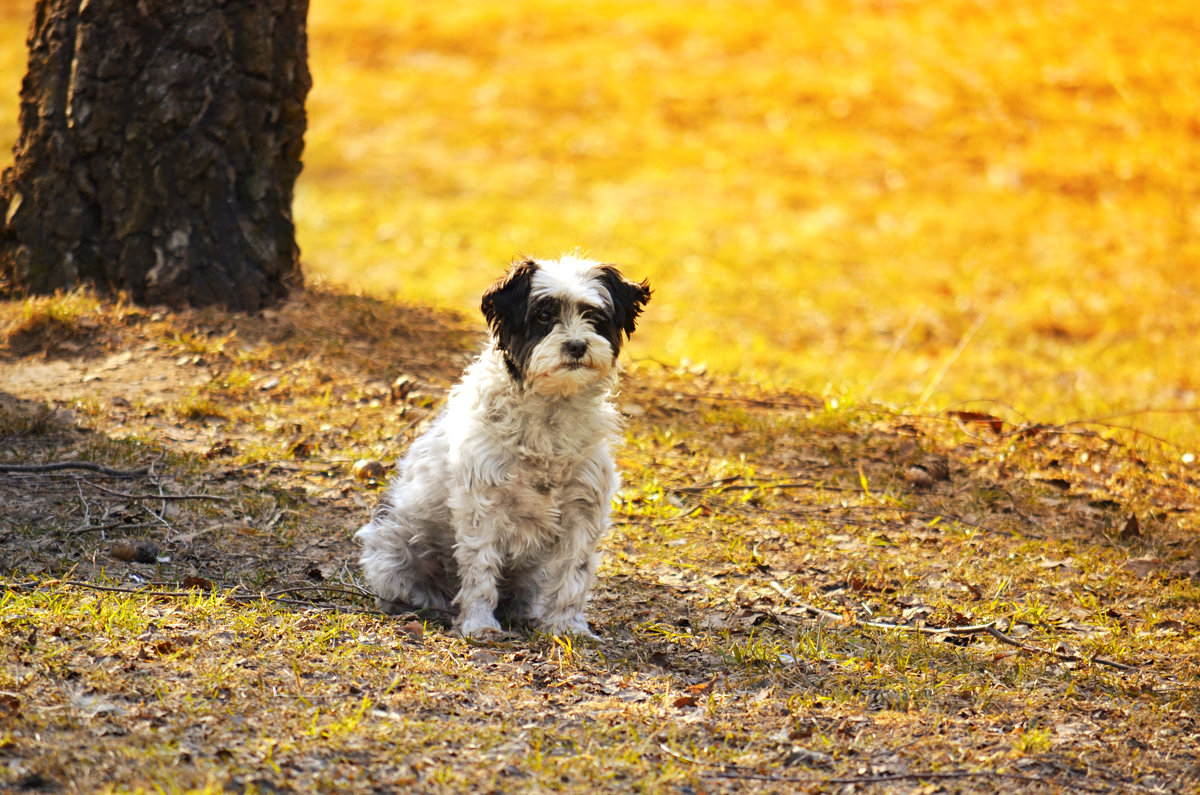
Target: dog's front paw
(479, 623)
(570, 624)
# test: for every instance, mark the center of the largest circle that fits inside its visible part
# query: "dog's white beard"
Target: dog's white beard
(552, 373)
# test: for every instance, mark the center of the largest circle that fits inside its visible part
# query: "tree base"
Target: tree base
(160, 144)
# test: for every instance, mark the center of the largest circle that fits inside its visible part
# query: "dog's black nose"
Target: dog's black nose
(575, 348)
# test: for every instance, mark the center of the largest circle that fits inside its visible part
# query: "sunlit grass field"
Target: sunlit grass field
(921, 203)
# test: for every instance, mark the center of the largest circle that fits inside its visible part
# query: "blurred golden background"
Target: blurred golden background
(921, 203)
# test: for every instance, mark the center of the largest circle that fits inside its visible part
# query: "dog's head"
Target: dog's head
(560, 323)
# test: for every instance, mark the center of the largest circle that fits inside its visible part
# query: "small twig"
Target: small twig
(974, 629)
(1027, 425)
(228, 593)
(87, 509)
(1000, 636)
(773, 403)
(101, 528)
(656, 522)
(915, 512)
(700, 488)
(149, 590)
(734, 771)
(729, 484)
(817, 612)
(159, 519)
(1129, 428)
(175, 497)
(988, 628)
(57, 466)
(353, 590)
(288, 464)
(162, 511)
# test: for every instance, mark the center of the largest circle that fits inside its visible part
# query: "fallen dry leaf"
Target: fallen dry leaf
(1130, 529)
(978, 418)
(1142, 567)
(135, 551)
(10, 705)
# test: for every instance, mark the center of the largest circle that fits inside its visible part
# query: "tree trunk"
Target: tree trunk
(159, 146)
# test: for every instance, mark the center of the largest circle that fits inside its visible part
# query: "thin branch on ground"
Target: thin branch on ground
(230, 593)
(730, 484)
(103, 528)
(1000, 636)
(159, 517)
(629, 519)
(702, 490)
(1127, 428)
(289, 464)
(87, 509)
(733, 771)
(915, 512)
(171, 497)
(352, 590)
(87, 466)
(988, 628)
(974, 629)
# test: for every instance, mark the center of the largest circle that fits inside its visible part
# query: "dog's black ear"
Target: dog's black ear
(507, 300)
(505, 305)
(628, 297)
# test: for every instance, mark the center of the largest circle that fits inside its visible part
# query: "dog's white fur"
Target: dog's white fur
(502, 502)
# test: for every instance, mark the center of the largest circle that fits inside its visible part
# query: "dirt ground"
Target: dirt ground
(795, 595)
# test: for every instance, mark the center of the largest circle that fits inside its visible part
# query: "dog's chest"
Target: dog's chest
(544, 461)
(542, 474)
(551, 442)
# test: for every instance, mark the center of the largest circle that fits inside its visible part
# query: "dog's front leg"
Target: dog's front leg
(479, 563)
(567, 582)
(571, 568)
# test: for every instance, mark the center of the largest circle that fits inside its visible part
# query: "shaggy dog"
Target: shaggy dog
(502, 501)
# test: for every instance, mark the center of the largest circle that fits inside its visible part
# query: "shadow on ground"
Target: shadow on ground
(233, 434)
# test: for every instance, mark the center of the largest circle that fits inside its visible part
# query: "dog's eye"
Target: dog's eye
(544, 315)
(591, 315)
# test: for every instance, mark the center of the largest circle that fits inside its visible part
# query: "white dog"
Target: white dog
(502, 501)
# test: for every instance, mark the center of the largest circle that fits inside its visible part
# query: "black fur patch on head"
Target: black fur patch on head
(628, 299)
(505, 306)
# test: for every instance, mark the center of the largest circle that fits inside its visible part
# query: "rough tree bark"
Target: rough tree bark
(159, 146)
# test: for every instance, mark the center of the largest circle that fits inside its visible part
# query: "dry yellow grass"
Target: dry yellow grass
(910, 202)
